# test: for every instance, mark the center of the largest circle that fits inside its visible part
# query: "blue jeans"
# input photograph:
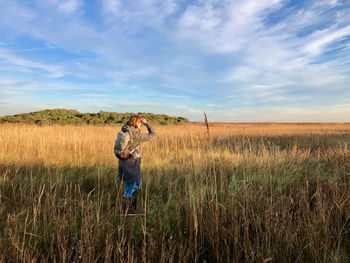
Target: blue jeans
(130, 188)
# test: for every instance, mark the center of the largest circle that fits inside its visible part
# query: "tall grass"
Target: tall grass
(252, 193)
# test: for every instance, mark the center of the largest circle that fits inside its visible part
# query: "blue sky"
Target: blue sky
(237, 60)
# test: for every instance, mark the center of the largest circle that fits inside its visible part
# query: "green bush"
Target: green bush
(66, 117)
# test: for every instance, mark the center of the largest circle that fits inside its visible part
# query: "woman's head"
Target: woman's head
(135, 120)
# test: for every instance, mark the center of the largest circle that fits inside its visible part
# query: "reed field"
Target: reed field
(245, 193)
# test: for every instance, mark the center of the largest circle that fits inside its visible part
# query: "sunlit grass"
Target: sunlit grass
(249, 192)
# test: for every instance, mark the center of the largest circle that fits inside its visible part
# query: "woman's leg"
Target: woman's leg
(127, 197)
(128, 190)
(135, 193)
(130, 196)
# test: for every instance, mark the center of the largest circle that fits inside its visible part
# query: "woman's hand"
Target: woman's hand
(143, 120)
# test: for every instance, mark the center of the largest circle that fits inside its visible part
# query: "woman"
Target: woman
(129, 168)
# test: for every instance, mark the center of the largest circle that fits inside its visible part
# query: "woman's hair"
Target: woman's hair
(134, 120)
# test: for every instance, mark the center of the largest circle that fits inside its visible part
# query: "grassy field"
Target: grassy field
(248, 193)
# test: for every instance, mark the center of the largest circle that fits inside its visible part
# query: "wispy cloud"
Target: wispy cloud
(142, 104)
(319, 40)
(112, 6)
(150, 12)
(189, 109)
(10, 58)
(92, 95)
(214, 105)
(69, 6)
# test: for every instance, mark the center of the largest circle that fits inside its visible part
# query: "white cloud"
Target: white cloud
(276, 57)
(188, 109)
(214, 105)
(224, 26)
(320, 40)
(13, 59)
(92, 95)
(69, 6)
(132, 103)
(329, 3)
(342, 106)
(284, 114)
(112, 6)
(16, 85)
(191, 113)
(203, 18)
(138, 12)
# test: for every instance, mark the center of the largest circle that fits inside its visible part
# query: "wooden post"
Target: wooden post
(207, 124)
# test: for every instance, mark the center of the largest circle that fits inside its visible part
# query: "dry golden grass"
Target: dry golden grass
(250, 192)
(93, 145)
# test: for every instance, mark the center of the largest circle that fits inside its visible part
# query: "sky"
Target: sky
(236, 60)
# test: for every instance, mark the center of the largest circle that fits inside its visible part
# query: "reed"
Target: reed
(252, 193)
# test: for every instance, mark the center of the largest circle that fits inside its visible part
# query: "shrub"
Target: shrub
(66, 116)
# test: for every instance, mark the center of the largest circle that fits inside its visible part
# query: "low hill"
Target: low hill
(64, 116)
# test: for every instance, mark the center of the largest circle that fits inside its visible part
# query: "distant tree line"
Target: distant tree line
(64, 117)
